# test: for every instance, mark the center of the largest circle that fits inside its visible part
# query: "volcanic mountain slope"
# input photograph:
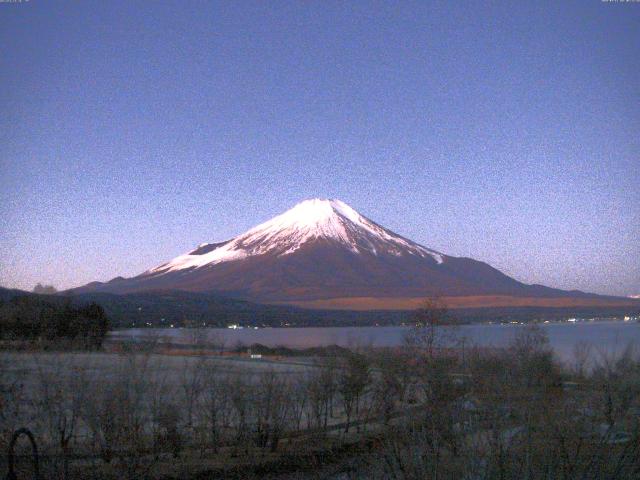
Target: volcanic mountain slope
(321, 250)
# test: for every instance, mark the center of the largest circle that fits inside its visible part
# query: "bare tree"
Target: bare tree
(581, 358)
(427, 334)
(215, 406)
(192, 383)
(122, 411)
(617, 381)
(531, 357)
(168, 435)
(392, 382)
(298, 398)
(62, 392)
(272, 408)
(13, 397)
(241, 401)
(352, 382)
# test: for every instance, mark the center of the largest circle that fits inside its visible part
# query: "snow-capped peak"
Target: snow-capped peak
(330, 220)
(314, 211)
(310, 219)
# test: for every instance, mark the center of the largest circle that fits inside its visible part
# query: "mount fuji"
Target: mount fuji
(324, 254)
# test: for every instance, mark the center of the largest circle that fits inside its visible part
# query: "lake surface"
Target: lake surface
(606, 338)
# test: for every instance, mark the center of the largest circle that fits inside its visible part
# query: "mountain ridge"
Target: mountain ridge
(323, 250)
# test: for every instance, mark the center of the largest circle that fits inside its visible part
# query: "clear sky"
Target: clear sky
(509, 132)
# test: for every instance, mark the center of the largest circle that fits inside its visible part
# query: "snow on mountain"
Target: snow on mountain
(316, 219)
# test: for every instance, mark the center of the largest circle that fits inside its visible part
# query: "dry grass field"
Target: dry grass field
(478, 301)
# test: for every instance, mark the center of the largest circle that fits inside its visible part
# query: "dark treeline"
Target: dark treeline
(36, 319)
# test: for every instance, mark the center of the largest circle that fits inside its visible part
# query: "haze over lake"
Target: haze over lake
(606, 337)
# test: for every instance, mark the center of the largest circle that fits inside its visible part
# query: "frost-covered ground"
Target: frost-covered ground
(94, 406)
(120, 415)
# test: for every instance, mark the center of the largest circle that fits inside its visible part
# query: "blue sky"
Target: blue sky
(504, 131)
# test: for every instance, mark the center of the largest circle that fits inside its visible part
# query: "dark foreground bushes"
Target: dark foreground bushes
(37, 320)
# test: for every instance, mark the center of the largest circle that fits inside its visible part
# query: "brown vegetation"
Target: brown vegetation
(475, 301)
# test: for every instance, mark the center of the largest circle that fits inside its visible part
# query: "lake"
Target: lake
(605, 337)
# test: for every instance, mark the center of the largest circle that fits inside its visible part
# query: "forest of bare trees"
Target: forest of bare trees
(420, 411)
